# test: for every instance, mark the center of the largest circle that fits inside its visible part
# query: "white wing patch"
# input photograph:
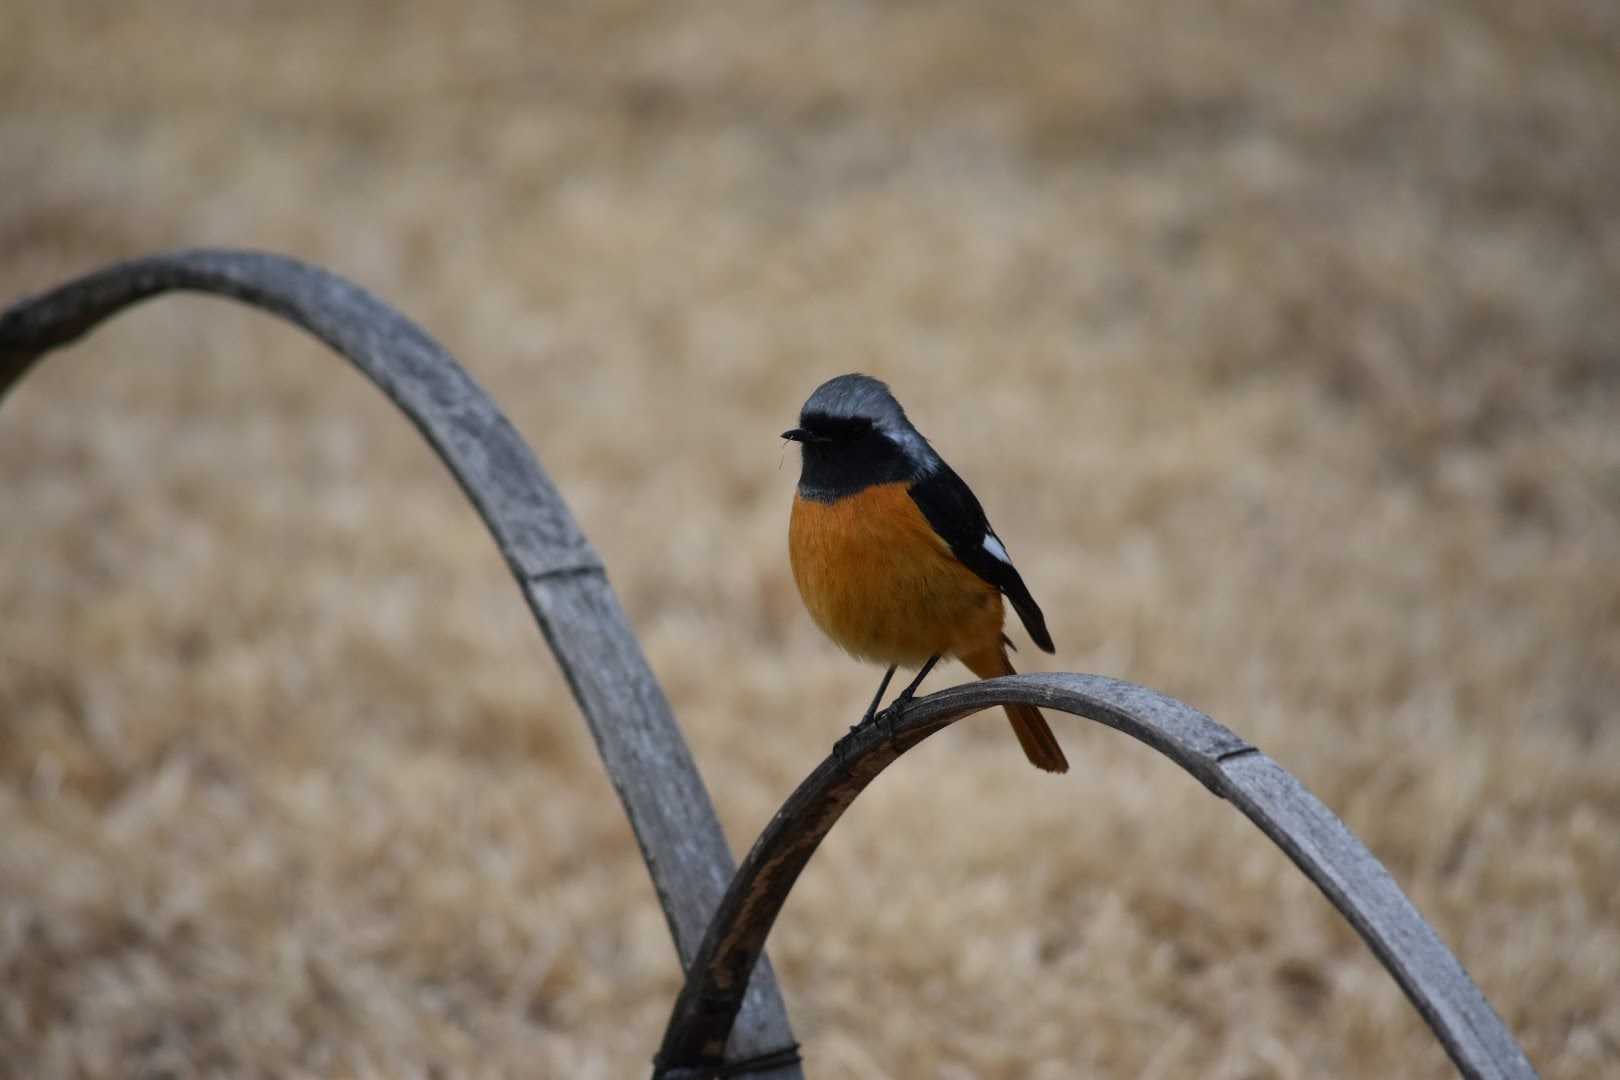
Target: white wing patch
(993, 546)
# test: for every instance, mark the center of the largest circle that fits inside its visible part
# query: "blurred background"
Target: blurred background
(1281, 341)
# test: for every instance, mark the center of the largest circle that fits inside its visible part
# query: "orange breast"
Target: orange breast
(881, 583)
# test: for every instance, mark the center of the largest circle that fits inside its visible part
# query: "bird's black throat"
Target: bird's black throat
(842, 457)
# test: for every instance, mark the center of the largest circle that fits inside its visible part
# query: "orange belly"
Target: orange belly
(881, 583)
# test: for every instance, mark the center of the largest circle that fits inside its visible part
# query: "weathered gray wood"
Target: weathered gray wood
(1317, 841)
(1366, 894)
(559, 572)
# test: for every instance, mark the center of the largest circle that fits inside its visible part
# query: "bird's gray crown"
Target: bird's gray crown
(855, 396)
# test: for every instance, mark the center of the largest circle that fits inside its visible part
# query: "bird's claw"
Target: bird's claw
(885, 721)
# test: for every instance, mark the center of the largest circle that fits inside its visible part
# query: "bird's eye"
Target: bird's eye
(833, 430)
(849, 431)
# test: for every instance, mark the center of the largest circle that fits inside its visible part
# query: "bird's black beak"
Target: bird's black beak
(797, 435)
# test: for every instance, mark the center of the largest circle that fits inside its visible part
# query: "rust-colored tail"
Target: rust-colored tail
(1040, 745)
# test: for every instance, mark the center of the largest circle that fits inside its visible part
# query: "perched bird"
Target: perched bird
(893, 555)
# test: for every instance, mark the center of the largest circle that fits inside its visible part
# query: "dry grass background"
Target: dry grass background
(1282, 340)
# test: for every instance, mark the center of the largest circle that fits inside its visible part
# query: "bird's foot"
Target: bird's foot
(889, 715)
(841, 747)
(885, 720)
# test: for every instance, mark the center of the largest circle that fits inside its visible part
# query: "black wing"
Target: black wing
(955, 514)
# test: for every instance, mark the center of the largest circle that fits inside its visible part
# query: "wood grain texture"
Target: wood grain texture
(1317, 841)
(558, 570)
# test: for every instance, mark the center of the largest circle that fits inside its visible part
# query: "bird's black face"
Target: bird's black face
(844, 454)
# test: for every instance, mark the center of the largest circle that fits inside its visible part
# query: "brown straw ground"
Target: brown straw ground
(1280, 340)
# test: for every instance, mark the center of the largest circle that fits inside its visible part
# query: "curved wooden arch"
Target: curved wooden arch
(1312, 836)
(559, 572)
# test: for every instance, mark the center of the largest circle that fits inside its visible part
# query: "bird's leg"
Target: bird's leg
(906, 694)
(886, 717)
(871, 710)
(841, 747)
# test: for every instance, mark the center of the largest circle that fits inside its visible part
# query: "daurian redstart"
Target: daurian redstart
(893, 555)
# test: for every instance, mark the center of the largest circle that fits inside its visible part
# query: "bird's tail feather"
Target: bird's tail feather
(1034, 734)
